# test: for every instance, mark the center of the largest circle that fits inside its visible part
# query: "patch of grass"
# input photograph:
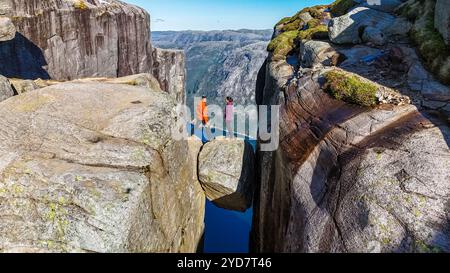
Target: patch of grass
(296, 23)
(316, 11)
(319, 32)
(294, 28)
(341, 7)
(350, 88)
(411, 10)
(283, 44)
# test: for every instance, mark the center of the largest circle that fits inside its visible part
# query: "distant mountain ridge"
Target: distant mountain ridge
(184, 39)
(219, 63)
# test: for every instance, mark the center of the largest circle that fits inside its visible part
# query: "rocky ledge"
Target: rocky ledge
(90, 166)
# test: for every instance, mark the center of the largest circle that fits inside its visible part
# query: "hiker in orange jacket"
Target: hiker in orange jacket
(202, 118)
(202, 111)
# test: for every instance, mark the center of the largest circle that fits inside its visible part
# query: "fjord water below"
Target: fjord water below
(226, 231)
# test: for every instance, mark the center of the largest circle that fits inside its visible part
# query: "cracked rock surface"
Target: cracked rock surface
(91, 167)
(348, 178)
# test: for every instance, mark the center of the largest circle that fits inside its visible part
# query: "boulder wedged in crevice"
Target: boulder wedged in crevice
(226, 172)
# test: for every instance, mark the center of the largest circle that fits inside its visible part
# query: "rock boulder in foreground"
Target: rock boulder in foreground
(91, 167)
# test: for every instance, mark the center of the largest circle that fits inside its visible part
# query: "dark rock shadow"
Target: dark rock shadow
(21, 58)
(201, 244)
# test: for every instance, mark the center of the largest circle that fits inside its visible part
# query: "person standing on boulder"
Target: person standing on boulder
(229, 117)
(202, 117)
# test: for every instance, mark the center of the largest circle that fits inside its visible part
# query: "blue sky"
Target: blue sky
(220, 14)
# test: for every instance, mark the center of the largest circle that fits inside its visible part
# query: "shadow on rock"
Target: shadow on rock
(21, 58)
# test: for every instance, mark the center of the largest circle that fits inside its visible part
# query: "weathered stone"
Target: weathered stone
(5, 89)
(351, 179)
(419, 79)
(435, 90)
(431, 104)
(381, 5)
(143, 80)
(346, 29)
(400, 27)
(227, 174)
(356, 54)
(417, 75)
(23, 86)
(66, 40)
(169, 69)
(442, 19)
(374, 36)
(7, 29)
(315, 52)
(106, 39)
(305, 17)
(92, 167)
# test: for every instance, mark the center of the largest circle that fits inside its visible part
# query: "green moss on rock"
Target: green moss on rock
(293, 29)
(429, 41)
(341, 7)
(283, 44)
(317, 32)
(296, 23)
(350, 88)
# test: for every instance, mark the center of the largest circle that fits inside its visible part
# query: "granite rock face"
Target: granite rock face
(7, 29)
(91, 167)
(227, 174)
(442, 19)
(168, 68)
(347, 28)
(381, 5)
(348, 178)
(6, 90)
(315, 52)
(66, 40)
(85, 38)
(23, 86)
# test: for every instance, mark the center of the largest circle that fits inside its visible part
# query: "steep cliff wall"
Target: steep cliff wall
(169, 69)
(348, 177)
(66, 40)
